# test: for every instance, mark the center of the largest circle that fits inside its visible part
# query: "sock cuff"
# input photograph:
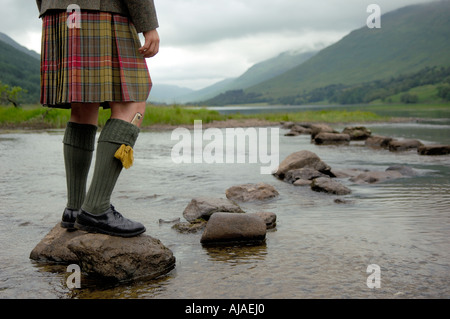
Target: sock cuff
(80, 135)
(119, 132)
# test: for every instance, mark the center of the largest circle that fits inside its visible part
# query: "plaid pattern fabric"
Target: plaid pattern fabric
(97, 63)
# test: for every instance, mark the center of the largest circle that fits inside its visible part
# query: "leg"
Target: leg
(98, 215)
(84, 113)
(127, 111)
(79, 141)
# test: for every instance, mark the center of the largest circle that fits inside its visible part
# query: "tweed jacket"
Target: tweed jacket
(141, 12)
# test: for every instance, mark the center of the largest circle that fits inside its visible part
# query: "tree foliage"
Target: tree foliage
(11, 94)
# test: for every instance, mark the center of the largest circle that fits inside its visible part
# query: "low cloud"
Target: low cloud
(204, 41)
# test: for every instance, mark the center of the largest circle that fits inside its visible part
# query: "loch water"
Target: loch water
(319, 249)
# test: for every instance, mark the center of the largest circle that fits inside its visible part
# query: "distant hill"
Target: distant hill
(163, 93)
(258, 73)
(20, 68)
(410, 39)
(8, 40)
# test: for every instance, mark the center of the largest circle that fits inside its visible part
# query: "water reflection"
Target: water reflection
(237, 254)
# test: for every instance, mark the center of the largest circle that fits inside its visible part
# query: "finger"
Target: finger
(152, 50)
(145, 47)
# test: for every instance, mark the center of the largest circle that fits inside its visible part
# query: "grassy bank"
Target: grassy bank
(35, 116)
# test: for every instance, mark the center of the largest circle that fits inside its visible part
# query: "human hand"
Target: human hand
(151, 45)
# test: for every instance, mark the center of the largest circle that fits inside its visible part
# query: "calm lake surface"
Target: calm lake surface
(320, 249)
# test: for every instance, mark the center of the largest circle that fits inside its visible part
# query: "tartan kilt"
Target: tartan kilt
(98, 62)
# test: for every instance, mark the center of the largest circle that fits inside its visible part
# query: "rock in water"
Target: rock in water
(122, 258)
(378, 141)
(434, 150)
(251, 192)
(53, 247)
(358, 133)
(327, 185)
(404, 170)
(203, 208)
(404, 145)
(331, 139)
(270, 219)
(375, 177)
(107, 256)
(234, 228)
(304, 173)
(320, 128)
(299, 160)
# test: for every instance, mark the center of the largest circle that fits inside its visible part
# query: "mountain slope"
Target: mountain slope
(256, 74)
(18, 68)
(410, 39)
(164, 93)
(5, 38)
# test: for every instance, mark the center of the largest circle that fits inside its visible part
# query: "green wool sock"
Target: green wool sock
(108, 168)
(79, 142)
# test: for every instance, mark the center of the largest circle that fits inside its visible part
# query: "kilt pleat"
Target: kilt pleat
(96, 63)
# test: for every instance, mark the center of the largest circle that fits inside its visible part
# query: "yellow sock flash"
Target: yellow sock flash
(125, 155)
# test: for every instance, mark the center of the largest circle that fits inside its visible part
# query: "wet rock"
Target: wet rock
(251, 192)
(320, 128)
(107, 256)
(328, 185)
(304, 173)
(331, 139)
(234, 228)
(190, 227)
(404, 145)
(53, 247)
(300, 129)
(122, 258)
(292, 133)
(404, 170)
(300, 160)
(375, 177)
(203, 208)
(434, 150)
(378, 141)
(349, 172)
(287, 125)
(357, 133)
(270, 219)
(302, 182)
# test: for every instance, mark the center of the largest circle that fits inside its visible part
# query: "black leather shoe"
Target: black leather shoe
(68, 218)
(110, 222)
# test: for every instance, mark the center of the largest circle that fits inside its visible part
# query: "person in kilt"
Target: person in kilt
(92, 57)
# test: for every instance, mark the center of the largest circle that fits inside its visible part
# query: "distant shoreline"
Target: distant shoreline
(37, 118)
(230, 123)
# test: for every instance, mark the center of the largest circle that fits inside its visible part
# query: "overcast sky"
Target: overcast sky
(205, 41)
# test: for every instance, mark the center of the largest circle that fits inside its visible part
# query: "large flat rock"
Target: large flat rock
(107, 256)
(122, 258)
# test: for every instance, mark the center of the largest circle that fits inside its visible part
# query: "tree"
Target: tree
(444, 91)
(409, 98)
(10, 94)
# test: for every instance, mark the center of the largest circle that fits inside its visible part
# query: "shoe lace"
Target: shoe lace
(116, 213)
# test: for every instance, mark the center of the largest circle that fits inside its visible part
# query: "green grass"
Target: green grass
(37, 117)
(41, 117)
(323, 116)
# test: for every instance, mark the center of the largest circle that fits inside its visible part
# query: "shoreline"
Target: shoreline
(244, 123)
(229, 123)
